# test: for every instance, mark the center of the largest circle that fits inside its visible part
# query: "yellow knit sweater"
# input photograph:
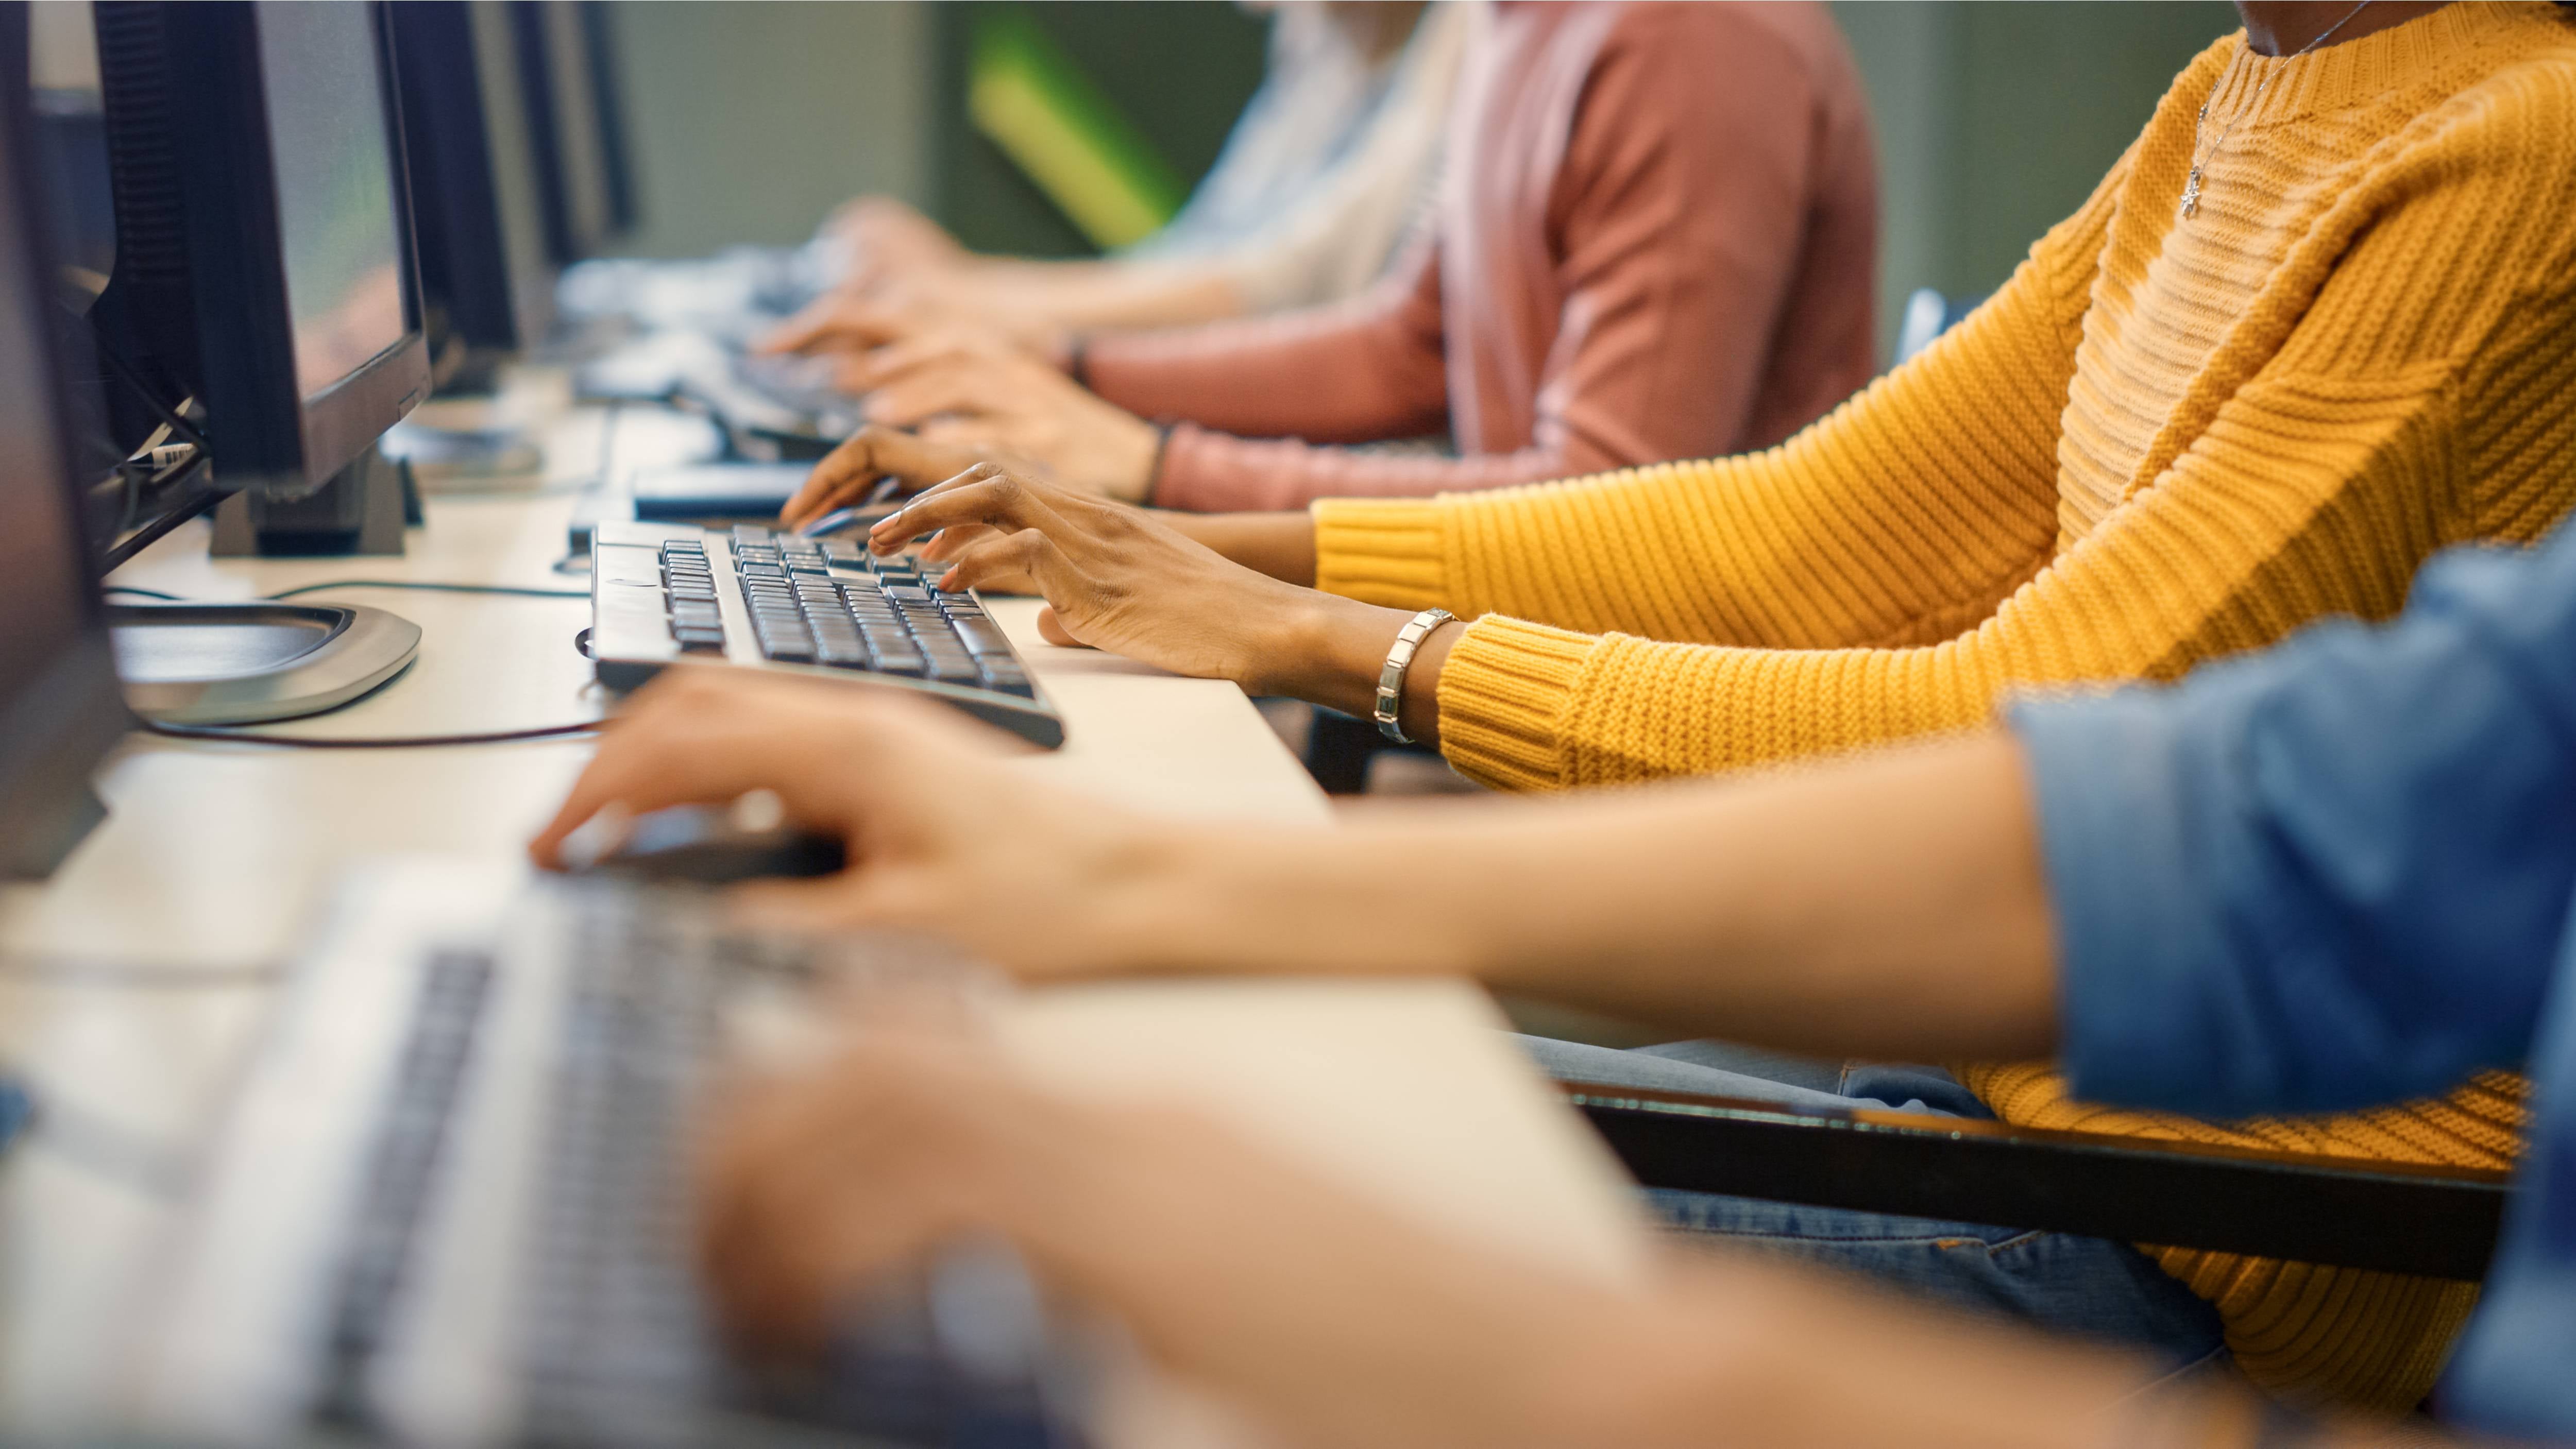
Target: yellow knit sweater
(2165, 439)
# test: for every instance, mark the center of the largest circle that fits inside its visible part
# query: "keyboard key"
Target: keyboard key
(895, 657)
(951, 668)
(982, 636)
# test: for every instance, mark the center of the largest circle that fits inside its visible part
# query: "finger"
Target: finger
(823, 492)
(982, 435)
(916, 352)
(818, 321)
(952, 385)
(1021, 563)
(985, 494)
(698, 736)
(872, 453)
(949, 543)
(1052, 630)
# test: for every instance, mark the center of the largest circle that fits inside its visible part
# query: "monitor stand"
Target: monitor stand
(224, 664)
(362, 510)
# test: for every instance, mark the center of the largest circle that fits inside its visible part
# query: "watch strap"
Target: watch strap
(1390, 679)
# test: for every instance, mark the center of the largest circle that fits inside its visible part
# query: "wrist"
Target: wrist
(1166, 903)
(1324, 649)
(1135, 459)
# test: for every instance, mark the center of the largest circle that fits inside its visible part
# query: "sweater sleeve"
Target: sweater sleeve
(2251, 532)
(1355, 370)
(1908, 512)
(2397, 416)
(1674, 229)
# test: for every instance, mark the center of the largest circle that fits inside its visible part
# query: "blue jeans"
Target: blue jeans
(2087, 1287)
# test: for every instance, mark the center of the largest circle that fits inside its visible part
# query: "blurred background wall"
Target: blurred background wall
(752, 118)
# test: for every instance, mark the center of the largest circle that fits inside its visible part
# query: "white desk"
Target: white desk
(214, 856)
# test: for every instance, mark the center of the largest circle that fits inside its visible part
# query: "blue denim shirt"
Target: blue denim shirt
(2340, 873)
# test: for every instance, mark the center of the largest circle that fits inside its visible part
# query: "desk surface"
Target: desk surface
(214, 857)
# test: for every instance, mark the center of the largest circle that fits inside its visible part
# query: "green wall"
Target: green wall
(752, 119)
(1995, 118)
(1180, 69)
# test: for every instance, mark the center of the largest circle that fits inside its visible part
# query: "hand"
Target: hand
(888, 239)
(815, 1183)
(942, 835)
(1118, 578)
(1317, 1312)
(847, 321)
(960, 388)
(851, 472)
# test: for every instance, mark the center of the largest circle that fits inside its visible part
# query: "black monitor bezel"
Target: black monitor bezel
(459, 214)
(281, 441)
(77, 707)
(530, 21)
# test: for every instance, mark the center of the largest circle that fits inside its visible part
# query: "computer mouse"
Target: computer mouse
(708, 845)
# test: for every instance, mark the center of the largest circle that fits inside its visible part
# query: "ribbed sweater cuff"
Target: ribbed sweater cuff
(1390, 552)
(1504, 696)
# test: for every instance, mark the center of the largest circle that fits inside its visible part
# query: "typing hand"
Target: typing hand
(961, 387)
(970, 313)
(851, 472)
(889, 241)
(841, 322)
(1329, 1319)
(941, 833)
(1119, 578)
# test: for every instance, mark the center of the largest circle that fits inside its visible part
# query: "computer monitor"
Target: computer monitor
(60, 710)
(477, 208)
(264, 269)
(568, 63)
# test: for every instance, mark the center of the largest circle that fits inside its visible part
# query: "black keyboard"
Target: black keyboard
(752, 597)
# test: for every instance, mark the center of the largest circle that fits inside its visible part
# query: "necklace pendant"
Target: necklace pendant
(2190, 196)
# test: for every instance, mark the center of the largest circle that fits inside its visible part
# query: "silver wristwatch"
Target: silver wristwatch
(1390, 680)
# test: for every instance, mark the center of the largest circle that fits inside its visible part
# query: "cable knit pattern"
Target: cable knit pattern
(2162, 441)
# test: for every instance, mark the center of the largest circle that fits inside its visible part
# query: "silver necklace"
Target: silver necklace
(2191, 185)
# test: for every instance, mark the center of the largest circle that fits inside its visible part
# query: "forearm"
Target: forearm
(1890, 906)
(1739, 1352)
(1461, 1348)
(1281, 545)
(1135, 294)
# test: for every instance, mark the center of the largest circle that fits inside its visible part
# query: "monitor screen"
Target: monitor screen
(334, 156)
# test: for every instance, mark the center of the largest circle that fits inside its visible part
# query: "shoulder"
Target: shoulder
(2510, 102)
(2496, 157)
(1698, 59)
(1717, 38)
